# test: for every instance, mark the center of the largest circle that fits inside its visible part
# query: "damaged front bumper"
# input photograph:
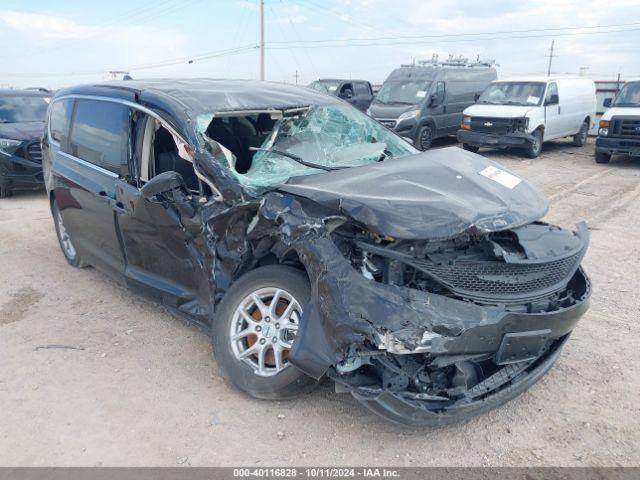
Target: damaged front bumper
(375, 339)
(480, 139)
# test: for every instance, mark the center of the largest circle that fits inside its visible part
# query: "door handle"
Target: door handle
(117, 207)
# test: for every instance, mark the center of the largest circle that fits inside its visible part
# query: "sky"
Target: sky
(59, 43)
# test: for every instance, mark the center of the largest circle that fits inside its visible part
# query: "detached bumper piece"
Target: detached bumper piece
(618, 146)
(481, 139)
(431, 335)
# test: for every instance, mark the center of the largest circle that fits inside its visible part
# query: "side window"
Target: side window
(552, 90)
(100, 134)
(59, 120)
(362, 89)
(439, 94)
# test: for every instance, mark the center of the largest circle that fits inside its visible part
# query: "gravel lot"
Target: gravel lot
(144, 388)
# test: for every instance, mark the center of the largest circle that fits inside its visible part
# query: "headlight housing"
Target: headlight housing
(409, 114)
(466, 123)
(604, 128)
(522, 123)
(9, 146)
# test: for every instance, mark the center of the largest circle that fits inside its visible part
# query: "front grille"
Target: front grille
(501, 280)
(498, 126)
(34, 152)
(388, 123)
(626, 127)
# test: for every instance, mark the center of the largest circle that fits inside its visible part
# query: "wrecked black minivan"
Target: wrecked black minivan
(312, 242)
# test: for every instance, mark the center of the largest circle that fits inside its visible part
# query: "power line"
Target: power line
(159, 64)
(445, 35)
(475, 40)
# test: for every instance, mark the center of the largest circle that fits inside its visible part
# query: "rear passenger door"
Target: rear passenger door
(86, 170)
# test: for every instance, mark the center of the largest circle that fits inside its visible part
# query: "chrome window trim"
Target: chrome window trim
(90, 165)
(216, 193)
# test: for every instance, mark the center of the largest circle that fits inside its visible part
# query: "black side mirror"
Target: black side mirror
(476, 97)
(553, 99)
(607, 102)
(434, 100)
(346, 94)
(163, 183)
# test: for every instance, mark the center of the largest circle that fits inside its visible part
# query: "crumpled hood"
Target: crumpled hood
(497, 111)
(22, 131)
(433, 195)
(621, 112)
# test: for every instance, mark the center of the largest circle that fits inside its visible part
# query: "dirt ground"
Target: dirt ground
(142, 387)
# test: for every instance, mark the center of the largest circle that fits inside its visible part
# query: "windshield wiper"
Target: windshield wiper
(295, 158)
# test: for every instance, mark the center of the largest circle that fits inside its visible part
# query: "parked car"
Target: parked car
(357, 92)
(529, 111)
(619, 132)
(422, 103)
(310, 241)
(22, 116)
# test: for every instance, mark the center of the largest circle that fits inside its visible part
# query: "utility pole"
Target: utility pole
(296, 75)
(261, 39)
(550, 58)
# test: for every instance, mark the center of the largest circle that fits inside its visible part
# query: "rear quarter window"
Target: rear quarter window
(100, 134)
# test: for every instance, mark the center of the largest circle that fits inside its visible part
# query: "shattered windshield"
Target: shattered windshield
(409, 92)
(318, 139)
(513, 93)
(629, 96)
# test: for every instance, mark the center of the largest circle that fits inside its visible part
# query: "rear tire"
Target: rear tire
(602, 157)
(470, 148)
(266, 373)
(424, 140)
(66, 244)
(580, 138)
(5, 190)
(535, 147)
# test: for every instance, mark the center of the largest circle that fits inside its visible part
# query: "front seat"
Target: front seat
(221, 133)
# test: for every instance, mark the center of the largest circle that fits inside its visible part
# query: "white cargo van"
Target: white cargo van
(619, 132)
(526, 112)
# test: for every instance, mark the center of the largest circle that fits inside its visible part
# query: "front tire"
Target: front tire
(254, 329)
(5, 190)
(535, 147)
(470, 148)
(580, 138)
(602, 157)
(424, 140)
(66, 244)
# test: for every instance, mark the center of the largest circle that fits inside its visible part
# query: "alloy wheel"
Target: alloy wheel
(65, 241)
(263, 328)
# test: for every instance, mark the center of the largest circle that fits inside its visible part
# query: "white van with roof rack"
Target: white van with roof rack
(525, 112)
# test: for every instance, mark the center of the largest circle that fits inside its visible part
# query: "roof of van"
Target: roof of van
(205, 95)
(540, 78)
(420, 72)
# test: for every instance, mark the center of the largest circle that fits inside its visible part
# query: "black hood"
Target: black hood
(433, 195)
(389, 110)
(22, 131)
